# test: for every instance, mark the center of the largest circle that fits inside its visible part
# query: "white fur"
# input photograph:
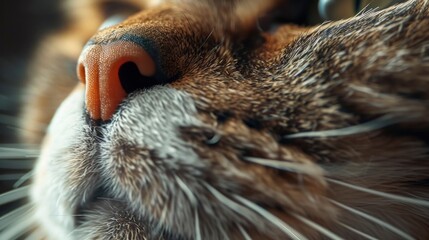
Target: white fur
(52, 206)
(149, 119)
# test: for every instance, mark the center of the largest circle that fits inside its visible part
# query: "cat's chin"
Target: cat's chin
(108, 218)
(84, 181)
(105, 217)
(140, 170)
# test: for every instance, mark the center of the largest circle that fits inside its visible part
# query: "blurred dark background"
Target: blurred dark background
(22, 25)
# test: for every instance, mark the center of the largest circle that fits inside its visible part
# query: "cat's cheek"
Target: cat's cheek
(43, 196)
(49, 192)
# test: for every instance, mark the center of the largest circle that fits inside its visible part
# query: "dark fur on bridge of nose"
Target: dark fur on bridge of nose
(131, 79)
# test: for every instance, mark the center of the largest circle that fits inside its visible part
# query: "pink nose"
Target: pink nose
(105, 70)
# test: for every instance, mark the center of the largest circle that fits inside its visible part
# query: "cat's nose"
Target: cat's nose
(112, 70)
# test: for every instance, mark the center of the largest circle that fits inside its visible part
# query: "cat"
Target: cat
(191, 120)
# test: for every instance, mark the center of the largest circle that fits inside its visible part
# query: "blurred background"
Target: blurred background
(22, 23)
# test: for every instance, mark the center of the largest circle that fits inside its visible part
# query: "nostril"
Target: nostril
(131, 79)
(110, 72)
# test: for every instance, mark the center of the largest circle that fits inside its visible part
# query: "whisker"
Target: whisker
(240, 209)
(382, 194)
(358, 232)
(188, 192)
(205, 41)
(19, 146)
(365, 10)
(190, 195)
(318, 227)
(163, 217)
(12, 176)
(14, 152)
(291, 232)
(14, 195)
(286, 166)
(23, 179)
(228, 202)
(373, 219)
(244, 233)
(372, 125)
(197, 226)
(16, 164)
(13, 216)
(19, 227)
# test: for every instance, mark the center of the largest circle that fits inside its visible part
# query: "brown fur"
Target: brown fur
(256, 92)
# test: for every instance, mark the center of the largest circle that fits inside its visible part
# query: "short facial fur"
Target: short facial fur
(300, 133)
